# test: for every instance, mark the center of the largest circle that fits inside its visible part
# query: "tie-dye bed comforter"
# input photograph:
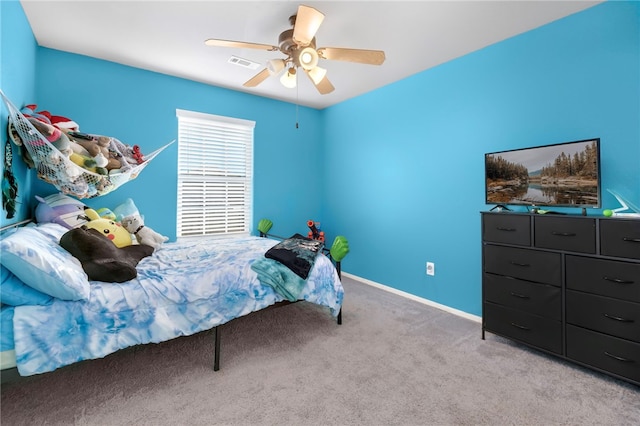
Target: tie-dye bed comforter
(185, 287)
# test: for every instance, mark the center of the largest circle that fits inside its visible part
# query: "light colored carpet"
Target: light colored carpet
(392, 362)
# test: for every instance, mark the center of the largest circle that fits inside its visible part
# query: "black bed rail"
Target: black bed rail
(216, 329)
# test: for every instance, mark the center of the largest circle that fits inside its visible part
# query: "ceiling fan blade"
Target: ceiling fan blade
(370, 57)
(308, 21)
(257, 79)
(239, 44)
(324, 86)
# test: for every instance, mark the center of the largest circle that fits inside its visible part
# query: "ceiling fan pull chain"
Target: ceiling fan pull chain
(297, 99)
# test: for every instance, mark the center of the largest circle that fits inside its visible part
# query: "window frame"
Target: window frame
(223, 177)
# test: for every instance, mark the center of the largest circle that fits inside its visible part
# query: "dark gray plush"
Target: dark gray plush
(100, 258)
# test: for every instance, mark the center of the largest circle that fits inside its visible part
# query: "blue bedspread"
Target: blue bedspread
(183, 288)
(283, 280)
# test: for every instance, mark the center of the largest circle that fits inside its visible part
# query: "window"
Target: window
(215, 168)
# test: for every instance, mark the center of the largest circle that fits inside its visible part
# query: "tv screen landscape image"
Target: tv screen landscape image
(561, 175)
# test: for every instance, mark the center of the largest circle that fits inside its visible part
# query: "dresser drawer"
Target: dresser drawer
(606, 277)
(539, 299)
(608, 353)
(599, 313)
(569, 234)
(620, 238)
(506, 228)
(538, 331)
(532, 265)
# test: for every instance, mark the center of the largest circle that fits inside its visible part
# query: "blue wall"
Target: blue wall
(139, 107)
(17, 75)
(399, 171)
(404, 164)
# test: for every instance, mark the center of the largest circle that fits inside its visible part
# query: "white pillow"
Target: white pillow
(36, 257)
(52, 230)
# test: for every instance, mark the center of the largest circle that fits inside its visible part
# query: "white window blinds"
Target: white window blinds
(215, 168)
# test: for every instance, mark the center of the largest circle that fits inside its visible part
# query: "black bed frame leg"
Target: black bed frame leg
(216, 351)
(339, 270)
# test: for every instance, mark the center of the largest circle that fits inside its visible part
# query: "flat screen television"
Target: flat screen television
(559, 175)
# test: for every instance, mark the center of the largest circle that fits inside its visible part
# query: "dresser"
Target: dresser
(566, 285)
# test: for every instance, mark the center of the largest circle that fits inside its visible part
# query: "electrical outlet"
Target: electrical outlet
(431, 268)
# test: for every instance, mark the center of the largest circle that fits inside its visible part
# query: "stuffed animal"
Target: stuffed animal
(110, 151)
(100, 259)
(127, 208)
(137, 154)
(106, 213)
(145, 235)
(45, 116)
(110, 229)
(87, 163)
(130, 156)
(60, 209)
(54, 135)
(30, 111)
(97, 147)
(52, 127)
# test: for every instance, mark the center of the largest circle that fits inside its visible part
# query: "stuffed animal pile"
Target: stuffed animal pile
(108, 245)
(98, 154)
(74, 152)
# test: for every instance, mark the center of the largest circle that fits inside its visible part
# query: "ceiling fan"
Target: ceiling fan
(299, 46)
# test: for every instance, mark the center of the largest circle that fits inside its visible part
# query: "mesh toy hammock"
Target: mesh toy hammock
(56, 168)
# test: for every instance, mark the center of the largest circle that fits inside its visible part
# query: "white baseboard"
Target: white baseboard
(414, 297)
(7, 359)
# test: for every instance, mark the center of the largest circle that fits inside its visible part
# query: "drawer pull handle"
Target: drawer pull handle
(619, 358)
(521, 327)
(505, 229)
(521, 296)
(618, 318)
(631, 240)
(563, 234)
(519, 264)
(617, 280)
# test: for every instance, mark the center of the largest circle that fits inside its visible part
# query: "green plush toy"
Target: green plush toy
(340, 248)
(264, 226)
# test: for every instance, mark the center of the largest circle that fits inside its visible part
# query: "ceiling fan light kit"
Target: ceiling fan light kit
(317, 74)
(299, 46)
(275, 66)
(308, 58)
(288, 79)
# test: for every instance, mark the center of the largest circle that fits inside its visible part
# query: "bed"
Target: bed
(60, 317)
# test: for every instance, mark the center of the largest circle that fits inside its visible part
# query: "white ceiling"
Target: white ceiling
(168, 36)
